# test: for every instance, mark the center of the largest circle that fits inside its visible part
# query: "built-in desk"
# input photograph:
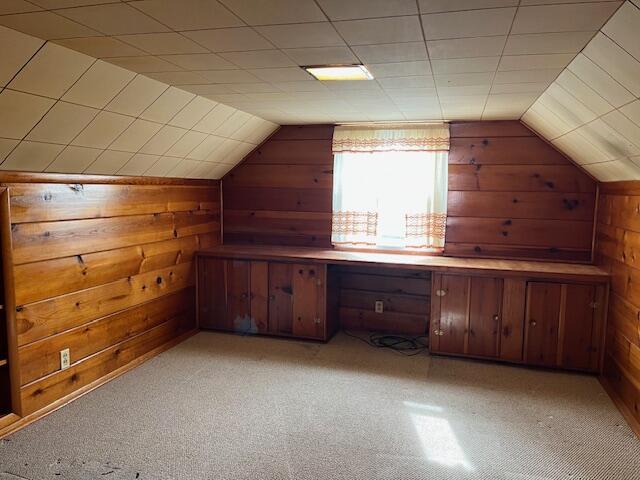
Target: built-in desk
(539, 313)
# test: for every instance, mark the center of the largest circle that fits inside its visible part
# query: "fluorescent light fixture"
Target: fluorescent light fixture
(339, 72)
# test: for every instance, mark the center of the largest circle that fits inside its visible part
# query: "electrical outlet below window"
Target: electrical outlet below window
(379, 306)
(65, 359)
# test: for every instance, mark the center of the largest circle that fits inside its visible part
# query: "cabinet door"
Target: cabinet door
(309, 301)
(280, 298)
(238, 302)
(514, 294)
(542, 322)
(258, 297)
(212, 301)
(484, 316)
(451, 296)
(577, 324)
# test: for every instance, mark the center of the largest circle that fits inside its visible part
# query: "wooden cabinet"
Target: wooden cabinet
(538, 323)
(564, 325)
(466, 315)
(263, 297)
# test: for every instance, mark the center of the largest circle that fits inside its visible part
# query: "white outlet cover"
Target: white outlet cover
(65, 359)
(379, 306)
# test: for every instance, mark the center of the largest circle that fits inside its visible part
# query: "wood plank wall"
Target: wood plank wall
(281, 193)
(617, 250)
(512, 195)
(105, 270)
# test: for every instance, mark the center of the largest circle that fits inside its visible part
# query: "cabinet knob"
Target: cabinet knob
(438, 333)
(272, 298)
(533, 323)
(496, 317)
(316, 320)
(441, 293)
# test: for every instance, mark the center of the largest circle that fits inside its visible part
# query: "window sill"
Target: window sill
(436, 252)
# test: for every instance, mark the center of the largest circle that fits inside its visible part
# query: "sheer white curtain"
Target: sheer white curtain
(390, 197)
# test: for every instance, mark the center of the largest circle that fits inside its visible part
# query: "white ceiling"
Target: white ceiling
(432, 59)
(592, 110)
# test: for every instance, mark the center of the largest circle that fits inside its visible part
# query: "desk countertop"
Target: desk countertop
(436, 263)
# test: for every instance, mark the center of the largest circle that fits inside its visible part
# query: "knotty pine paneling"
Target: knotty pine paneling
(281, 193)
(512, 195)
(103, 269)
(618, 251)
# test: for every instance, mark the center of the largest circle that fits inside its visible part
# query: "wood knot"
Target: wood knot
(515, 200)
(48, 197)
(549, 184)
(159, 280)
(485, 142)
(505, 234)
(477, 249)
(507, 222)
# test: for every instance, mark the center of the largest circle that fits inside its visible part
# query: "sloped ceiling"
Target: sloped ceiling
(64, 111)
(432, 59)
(592, 110)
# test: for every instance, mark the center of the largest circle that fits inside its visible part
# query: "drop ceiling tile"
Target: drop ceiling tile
(17, 6)
(287, 74)
(445, 92)
(182, 169)
(73, 160)
(193, 112)
(6, 146)
(199, 61)
(407, 82)
(200, 171)
(214, 119)
(546, 43)
(259, 12)
(206, 148)
(62, 123)
(232, 124)
(471, 23)
(108, 162)
(623, 126)
(135, 136)
(138, 164)
(399, 69)
(51, 71)
(230, 39)
(145, 64)
(208, 89)
(526, 76)
(31, 156)
(615, 61)
(99, 85)
(623, 28)
(163, 140)
(609, 140)
(189, 14)
(228, 76)
(138, 95)
(466, 47)
(321, 55)
(16, 49)
(258, 59)
(301, 86)
(225, 149)
(103, 130)
(463, 79)
(534, 62)
(356, 9)
(616, 170)
(187, 142)
(393, 52)
(632, 111)
(563, 18)
(220, 170)
(178, 78)
(162, 167)
(100, 47)
(321, 34)
(167, 105)
(436, 6)
(20, 112)
(380, 30)
(578, 147)
(260, 87)
(113, 19)
(545, 122)
(163, 43)
(583, 93)
(600, 81)
(53, 4)
(411, 93)
(465, 65)
(46, 25)
(520, 88)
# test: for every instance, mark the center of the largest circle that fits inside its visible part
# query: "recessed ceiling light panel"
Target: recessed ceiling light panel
(339, 72)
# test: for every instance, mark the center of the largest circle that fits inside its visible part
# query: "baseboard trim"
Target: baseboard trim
(21, 422)
(633, 423)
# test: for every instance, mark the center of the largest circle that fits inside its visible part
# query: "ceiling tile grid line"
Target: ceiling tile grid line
(63, 111)
(592, 110)
(381, 34)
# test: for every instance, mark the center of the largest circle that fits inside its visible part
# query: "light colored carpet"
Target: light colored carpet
(226, 407)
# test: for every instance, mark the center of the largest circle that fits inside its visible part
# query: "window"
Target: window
(390, 188)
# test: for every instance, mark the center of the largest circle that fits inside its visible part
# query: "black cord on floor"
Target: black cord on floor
(402, 344)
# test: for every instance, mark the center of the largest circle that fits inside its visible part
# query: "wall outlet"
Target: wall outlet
(65, 359)
(379, 306)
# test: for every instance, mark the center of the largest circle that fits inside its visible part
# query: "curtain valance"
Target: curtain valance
(403, 138)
